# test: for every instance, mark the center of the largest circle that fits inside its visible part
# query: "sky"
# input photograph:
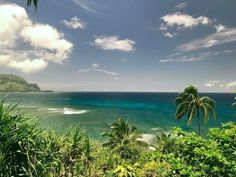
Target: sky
(125, 45)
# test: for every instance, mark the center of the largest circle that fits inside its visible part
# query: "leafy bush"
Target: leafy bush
(29, 151)
(125, 170)
(214, 156)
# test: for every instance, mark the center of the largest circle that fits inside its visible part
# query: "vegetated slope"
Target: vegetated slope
(13, 83)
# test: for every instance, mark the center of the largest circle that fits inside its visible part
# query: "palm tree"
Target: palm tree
(34, 2)
(123, 138)
(191, 104)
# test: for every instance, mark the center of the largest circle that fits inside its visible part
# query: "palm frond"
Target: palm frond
(205, 111)
(32, 2)
(181, 110)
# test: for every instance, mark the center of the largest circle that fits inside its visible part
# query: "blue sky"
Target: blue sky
(125, 45)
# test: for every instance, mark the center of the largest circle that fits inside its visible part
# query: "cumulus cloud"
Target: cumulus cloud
(96, 68)
(225, 36)
(184, 20)
(27, 46)
(29, 66)
(180, 21)
(46, 37)
(74, 23)
(113, 43)
(12, 19)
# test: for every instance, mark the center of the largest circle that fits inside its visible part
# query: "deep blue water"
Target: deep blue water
(95, 111)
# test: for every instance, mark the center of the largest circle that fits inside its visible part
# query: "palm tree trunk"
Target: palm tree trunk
(198, 123)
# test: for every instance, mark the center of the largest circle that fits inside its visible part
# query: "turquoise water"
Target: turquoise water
(150, 112)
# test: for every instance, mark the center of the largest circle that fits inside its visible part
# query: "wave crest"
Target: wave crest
(66, 111)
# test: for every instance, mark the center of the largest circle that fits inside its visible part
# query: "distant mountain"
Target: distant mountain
(13, 83)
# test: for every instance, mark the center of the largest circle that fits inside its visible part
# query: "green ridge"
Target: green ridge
(14, 83)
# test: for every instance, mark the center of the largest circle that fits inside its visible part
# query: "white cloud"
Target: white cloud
(84, 5)
(166, 60)
(180, 21)
(212, 83)
(226, 36)
(12, 19)
(209, 85)
(95, 65)
(27, 46)
(106, 72)
(29, 66)
(181, 5)
(168, 34)
(184, 20)
(215, 81)
(198, 57)
(96, 68)
(114, 43)
(231, 84)
(74, 23)
(219, 27)
(46, 37)
(221, 84)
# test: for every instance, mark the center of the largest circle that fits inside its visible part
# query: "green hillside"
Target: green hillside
(13, 83)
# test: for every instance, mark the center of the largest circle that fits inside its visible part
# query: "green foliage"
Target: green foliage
(13, 83)
(225, 137)
(124, 140)
(191, 104)
(166, 142)
(195, 156)
(155, 168)
(125, 171)
(27, 150)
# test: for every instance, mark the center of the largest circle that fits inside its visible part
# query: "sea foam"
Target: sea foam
(72, 111)
(66, 111)
(148, 138)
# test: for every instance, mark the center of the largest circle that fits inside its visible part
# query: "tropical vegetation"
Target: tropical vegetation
(32, 2)
(190, 103)
(124, 140)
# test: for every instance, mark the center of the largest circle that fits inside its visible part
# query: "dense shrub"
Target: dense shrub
(27, 150)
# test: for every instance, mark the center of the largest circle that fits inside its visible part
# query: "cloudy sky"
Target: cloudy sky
(125, 45)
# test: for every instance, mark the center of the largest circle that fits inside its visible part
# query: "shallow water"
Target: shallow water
(95, 111)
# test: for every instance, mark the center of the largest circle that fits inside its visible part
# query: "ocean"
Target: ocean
(152, 113)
